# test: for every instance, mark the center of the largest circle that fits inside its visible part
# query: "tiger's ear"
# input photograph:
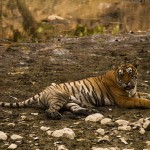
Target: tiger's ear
(135, 64)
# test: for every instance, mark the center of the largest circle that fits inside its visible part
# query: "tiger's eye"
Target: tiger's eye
(134, 77)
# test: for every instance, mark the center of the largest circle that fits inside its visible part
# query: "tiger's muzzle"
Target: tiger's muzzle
(129, 86)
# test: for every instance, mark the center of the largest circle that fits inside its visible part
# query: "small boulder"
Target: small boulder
(106, 121)
(66, 132)
(3, 136)
(94, 117)
(44, 128)
(100, 131)
(12, 146)
(122, 122)
(16, 137)
(124, 128)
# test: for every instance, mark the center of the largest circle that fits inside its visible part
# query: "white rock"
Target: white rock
(36, 138)
(44, 128)
(124, 128)
(11, 124)
(49, 132)
(101, 131)
(123, 140)
(61, 147)
(12, 146)
(106, 121)
(94, 117)
(148, 143)
(141, 120)
(66, 132)
(142, 131)
(35, 114)
(146, 124)
(23, 117)
(3, 136)
(16, 137)
(105, 138)
(122, 122)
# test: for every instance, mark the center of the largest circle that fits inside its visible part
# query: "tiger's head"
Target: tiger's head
(126, 76)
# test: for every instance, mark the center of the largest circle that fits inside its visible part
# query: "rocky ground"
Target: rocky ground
(27, 68)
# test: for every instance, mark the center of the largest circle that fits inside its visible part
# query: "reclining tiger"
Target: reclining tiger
(115, 87)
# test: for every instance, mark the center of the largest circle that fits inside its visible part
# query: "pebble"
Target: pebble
(44, 128)
(124, 128)
(122, 122)
(148, 143)
(105, 138)
(61, 147)
(49, 132)
(123, 140)
(35, 114)
(141, 121)
(3, 136)
(23, 117)
(12, 146)
(142, 131)
(11, 124)
(36, 138)
(146, 125)
(94, 117)
(66, 132)
(101, 131)
(106, 121)
(16, 137)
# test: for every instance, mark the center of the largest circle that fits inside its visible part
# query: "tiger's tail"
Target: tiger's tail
(30, 101)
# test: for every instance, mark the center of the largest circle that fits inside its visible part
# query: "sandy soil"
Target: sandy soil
(27, 68)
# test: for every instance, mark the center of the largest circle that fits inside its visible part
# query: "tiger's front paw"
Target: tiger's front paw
(92, 111)
(85, 111)
(53, 114)
(81, 111)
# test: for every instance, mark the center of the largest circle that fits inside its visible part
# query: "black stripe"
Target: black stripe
(107, 89)
(94, 93)
(74, 83)
(86, 85)
(101, 94)
(72, 88)
(99, 102)
(90, 99)
(84, 96)
(108, 93)
(66, 88)
(96, 98)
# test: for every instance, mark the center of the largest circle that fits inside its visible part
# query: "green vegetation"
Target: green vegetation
(84, 30)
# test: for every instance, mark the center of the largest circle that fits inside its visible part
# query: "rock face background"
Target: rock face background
(27, 68)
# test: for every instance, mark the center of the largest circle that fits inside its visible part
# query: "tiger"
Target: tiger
(115, 87)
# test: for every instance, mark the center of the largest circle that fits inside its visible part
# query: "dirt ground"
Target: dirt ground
(27, 68)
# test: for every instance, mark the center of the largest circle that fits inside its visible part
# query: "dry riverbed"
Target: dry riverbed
(27, 68)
